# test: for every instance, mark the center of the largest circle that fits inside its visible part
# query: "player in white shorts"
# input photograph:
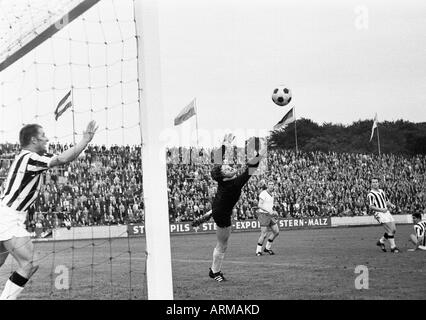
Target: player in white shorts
(22, 187)
(379, 203)
(268, 220)
(419, 236)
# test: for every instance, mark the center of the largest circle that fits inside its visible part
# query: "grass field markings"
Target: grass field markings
(326, 269)
(247, 262)
(307, 265)
(259, 263)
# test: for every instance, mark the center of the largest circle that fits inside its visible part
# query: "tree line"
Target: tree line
(396, 137)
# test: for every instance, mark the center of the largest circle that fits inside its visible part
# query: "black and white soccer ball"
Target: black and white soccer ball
(281, 96)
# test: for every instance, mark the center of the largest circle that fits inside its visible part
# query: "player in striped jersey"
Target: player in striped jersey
(22, 187)
(378, 202)
(419, 236)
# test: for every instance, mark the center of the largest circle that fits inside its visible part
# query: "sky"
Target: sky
(343, 60)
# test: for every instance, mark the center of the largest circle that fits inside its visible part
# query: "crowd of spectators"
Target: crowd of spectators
(104, 185)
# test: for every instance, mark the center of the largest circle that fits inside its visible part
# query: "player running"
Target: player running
(419, 236)
(379, 203)
(268, 220)
(22, 187)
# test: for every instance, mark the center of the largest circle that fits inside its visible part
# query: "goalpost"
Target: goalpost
(149, 105)
(153, 155)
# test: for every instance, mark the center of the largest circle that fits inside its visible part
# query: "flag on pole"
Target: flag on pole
(288, 118)
(63, 105)
(374, 126)
(186, 113)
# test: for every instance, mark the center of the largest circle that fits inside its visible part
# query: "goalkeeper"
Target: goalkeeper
(228, 193)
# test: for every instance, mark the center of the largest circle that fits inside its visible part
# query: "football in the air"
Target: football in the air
(281, 96)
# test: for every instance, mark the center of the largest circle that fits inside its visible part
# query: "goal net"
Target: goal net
(64, 63)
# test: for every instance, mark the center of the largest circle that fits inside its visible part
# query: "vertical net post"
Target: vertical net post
(159, 270)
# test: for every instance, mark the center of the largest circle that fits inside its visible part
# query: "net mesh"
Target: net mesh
(22, 21)
(95, 59)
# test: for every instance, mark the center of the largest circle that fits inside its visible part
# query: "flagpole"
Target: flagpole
(378, 140)
(295, 128)
(196, 120)
(73, 117)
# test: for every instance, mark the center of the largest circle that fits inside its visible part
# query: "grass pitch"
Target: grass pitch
(309, 264)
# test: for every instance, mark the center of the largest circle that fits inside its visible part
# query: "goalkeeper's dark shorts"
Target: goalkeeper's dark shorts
(222, 219)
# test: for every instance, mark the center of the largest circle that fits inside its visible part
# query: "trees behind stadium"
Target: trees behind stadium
(397, 137)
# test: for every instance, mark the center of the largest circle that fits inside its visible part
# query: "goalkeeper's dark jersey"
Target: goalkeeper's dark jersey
(227, 195)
